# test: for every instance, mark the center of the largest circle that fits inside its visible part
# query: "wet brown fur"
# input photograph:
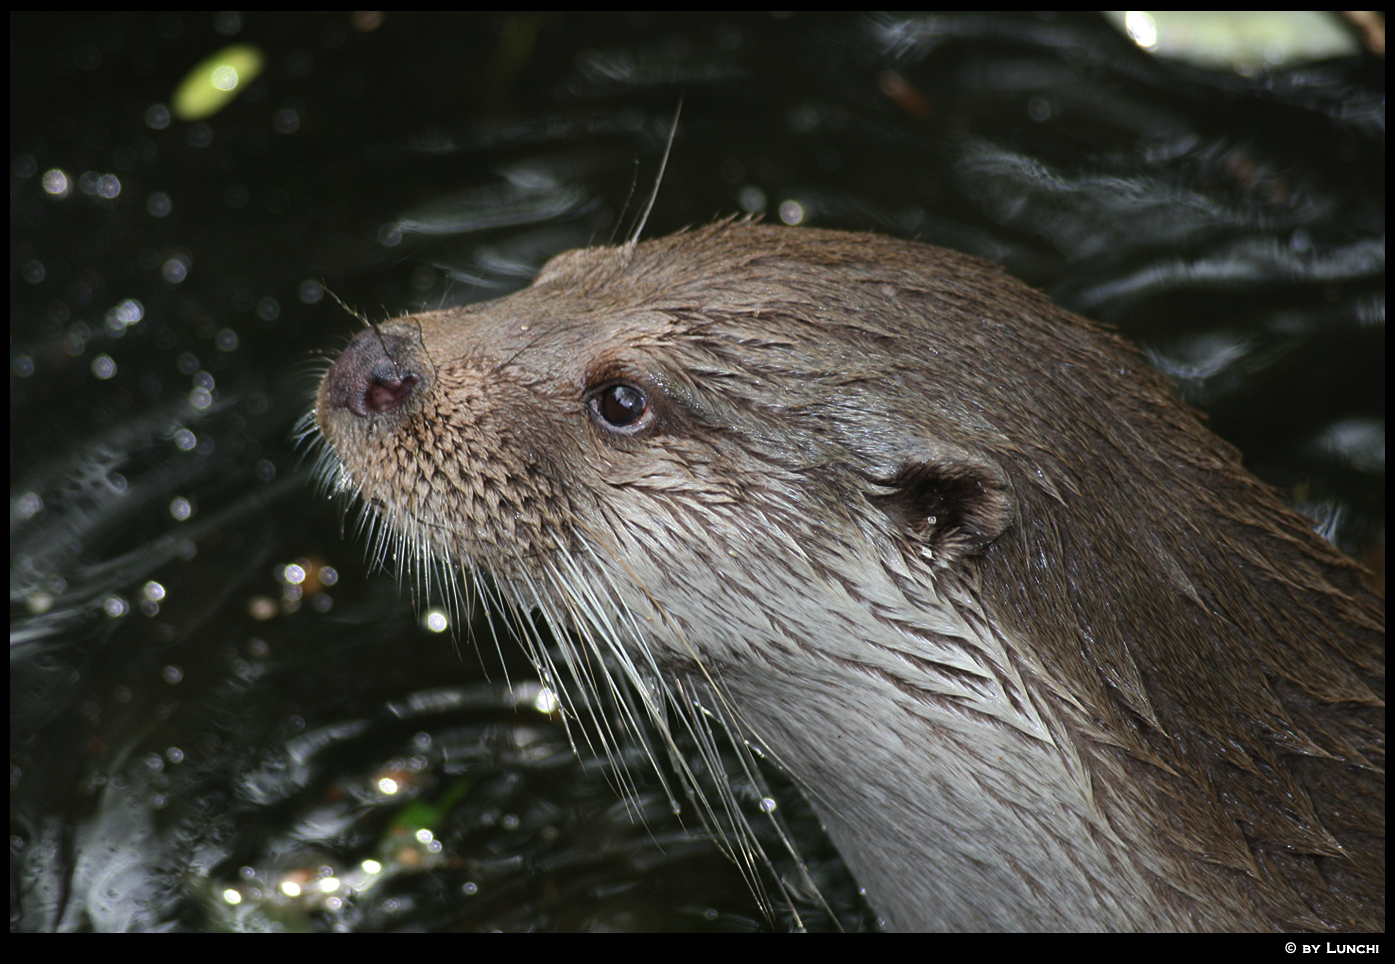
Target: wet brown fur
(1213, 667)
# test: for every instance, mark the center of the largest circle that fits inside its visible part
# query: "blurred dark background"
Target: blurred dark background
(222, 718)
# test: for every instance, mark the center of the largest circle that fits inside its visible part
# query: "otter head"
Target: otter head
(661, 423)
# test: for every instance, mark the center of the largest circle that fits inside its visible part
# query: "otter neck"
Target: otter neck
(942, 773)
(950, 817)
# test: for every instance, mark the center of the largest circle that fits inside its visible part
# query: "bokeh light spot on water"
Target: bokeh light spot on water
(57, 183)
(213, 83)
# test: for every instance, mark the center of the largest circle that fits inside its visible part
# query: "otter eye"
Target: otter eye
(620, 405)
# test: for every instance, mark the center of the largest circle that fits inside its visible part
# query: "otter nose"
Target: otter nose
(373, 376)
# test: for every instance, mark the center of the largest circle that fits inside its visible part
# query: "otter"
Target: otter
(1040, 653)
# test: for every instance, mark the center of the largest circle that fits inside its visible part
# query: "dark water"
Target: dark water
(216, 708)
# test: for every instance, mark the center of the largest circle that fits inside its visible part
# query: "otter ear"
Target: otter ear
(948, 508)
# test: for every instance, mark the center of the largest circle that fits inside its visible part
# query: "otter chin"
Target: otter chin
(1037, 649)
